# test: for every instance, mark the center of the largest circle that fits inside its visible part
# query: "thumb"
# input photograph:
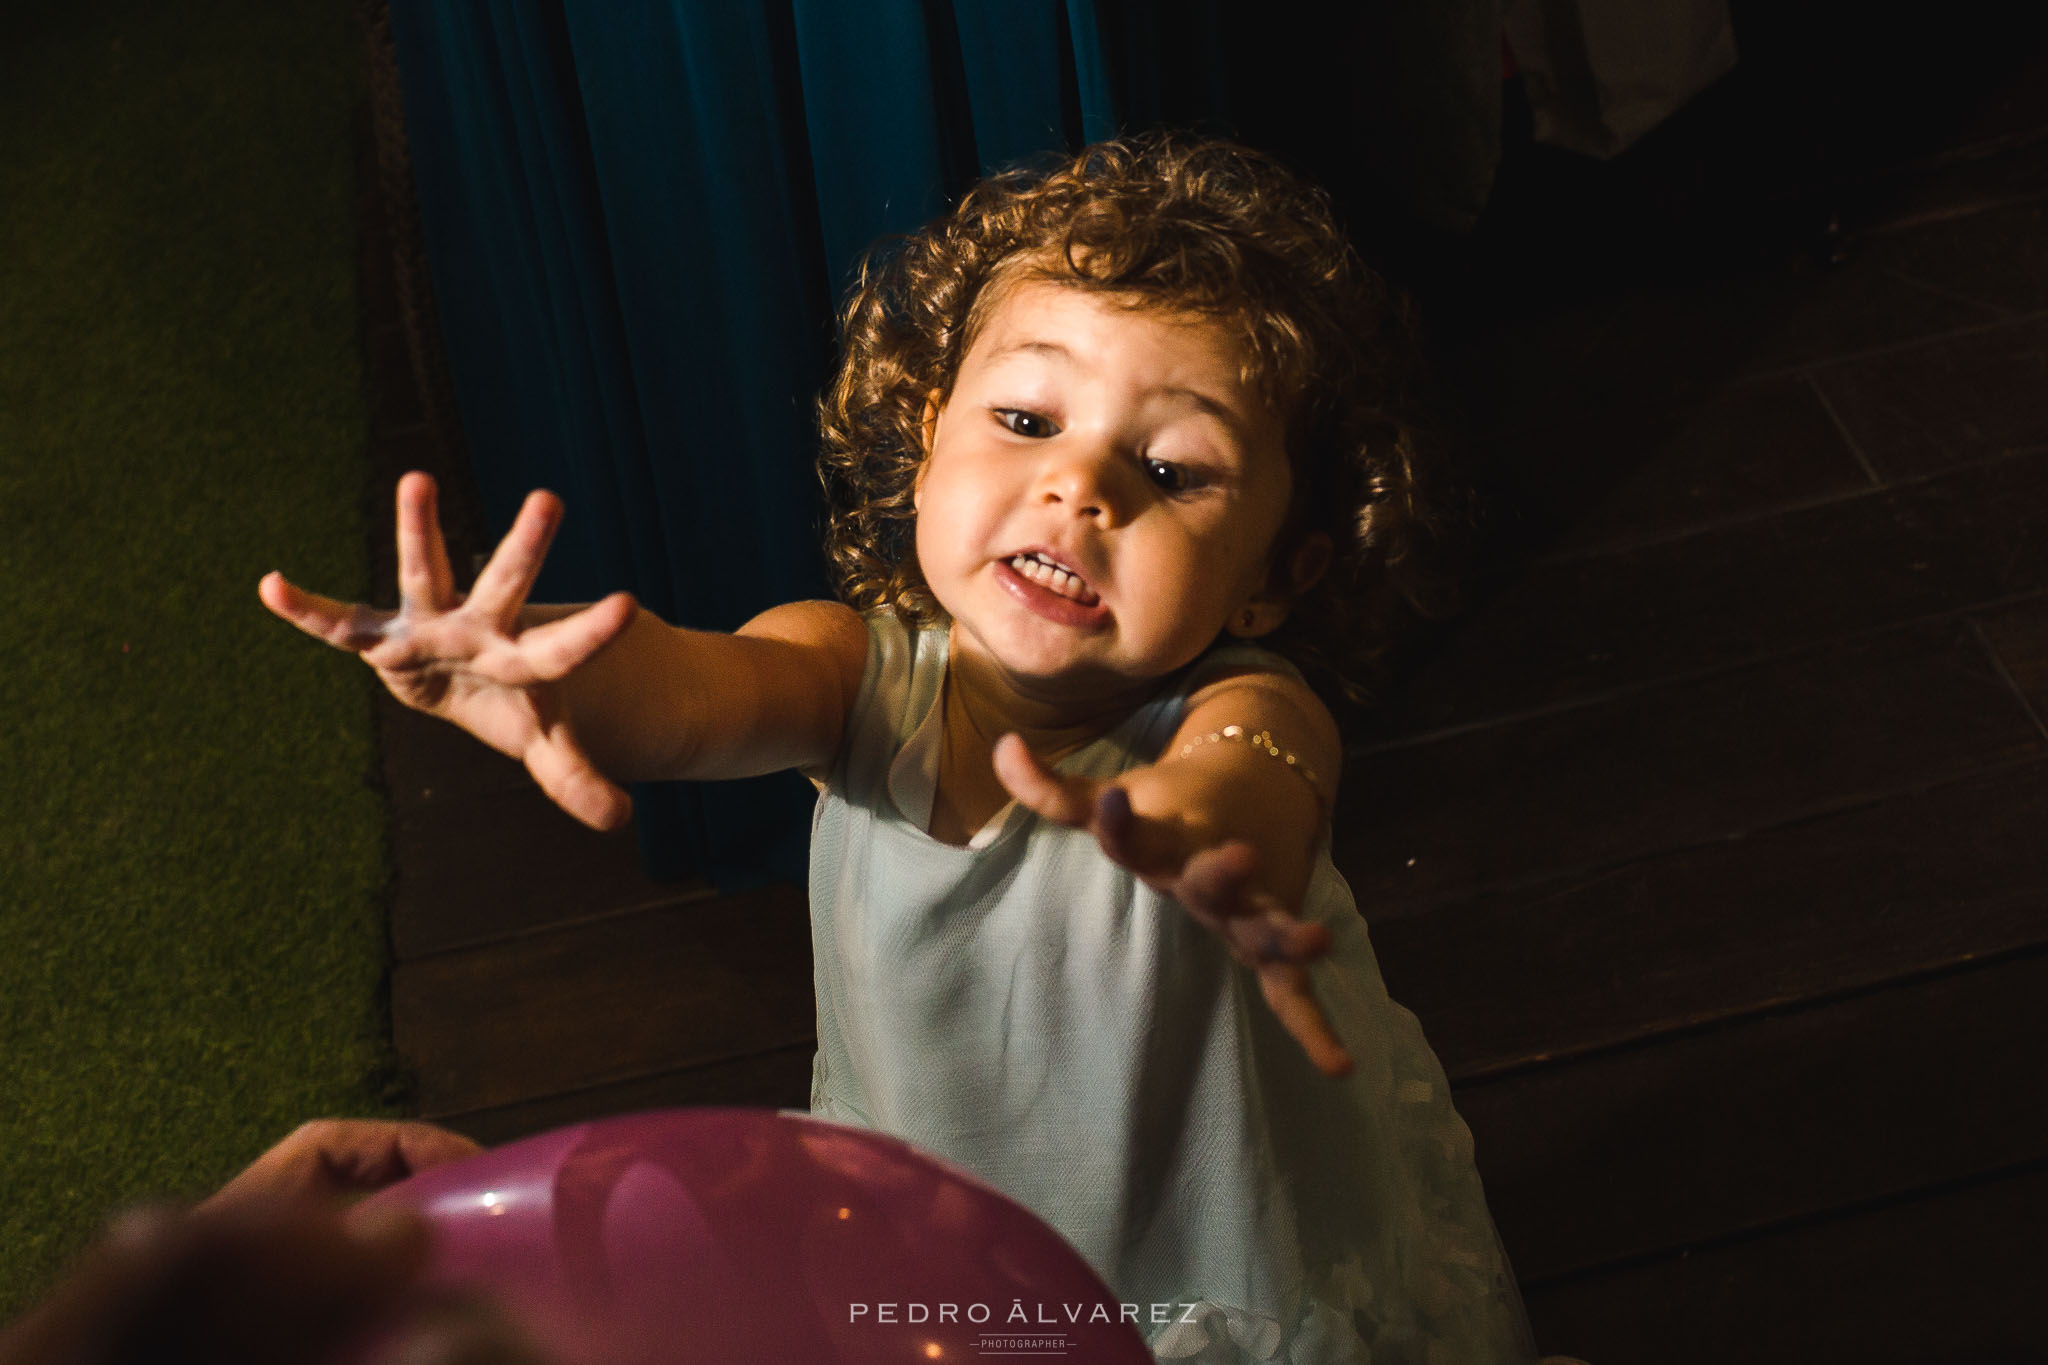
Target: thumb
(554, 648)
(1063, 800)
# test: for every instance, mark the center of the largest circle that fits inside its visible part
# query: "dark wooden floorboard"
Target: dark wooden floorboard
(2000, 169)
(1556, 632)
(1765, 1120)
(612, 999)
(1804, 910)
(779, 1078)
(395, 402)
(1671, 466)
(429, 762)
(2018, 637)
(1706, 842)
(1669, 768)
(505, 862)
(1923, 409)
(1775, 309)
(1951, 1278)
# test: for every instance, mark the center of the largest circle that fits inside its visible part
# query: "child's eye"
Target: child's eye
(1171, 477)
(1026, 423)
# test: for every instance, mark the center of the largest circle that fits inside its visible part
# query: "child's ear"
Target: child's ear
(930, 423)
(1310, 561)
(1265, 613)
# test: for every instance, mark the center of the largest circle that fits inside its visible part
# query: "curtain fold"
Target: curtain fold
(639, 216)
(876, 121)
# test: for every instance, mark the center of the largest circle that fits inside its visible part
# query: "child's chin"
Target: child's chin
(1034, 652)
(1044, 661)
(1079, 675)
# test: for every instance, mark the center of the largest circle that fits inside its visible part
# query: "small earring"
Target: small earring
(1249, 619)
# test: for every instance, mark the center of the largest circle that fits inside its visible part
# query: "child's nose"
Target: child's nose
(1083, 479)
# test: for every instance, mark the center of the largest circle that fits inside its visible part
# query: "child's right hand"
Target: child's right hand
(485, 661)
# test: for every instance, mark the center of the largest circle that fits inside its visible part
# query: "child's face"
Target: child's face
(1119, 444)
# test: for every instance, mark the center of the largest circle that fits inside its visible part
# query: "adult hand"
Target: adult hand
(480, 661)
(327, 1160)
(270, 1273)
(1216, 882)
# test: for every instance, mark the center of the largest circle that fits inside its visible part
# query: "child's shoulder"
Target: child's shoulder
(1242, 690)
(820, 660)
(834, 630)
(1245, 666)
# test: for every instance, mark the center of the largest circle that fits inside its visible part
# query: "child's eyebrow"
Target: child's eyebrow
(1050, 348)
(1215, 407)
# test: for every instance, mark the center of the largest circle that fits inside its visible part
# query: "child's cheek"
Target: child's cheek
(929, 555)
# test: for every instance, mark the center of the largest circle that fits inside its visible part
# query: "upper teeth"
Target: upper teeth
(1052, 576)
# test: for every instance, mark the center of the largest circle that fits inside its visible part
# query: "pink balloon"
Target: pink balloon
(737, 1235)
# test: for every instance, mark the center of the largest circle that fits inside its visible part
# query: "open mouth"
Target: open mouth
(1053, 577)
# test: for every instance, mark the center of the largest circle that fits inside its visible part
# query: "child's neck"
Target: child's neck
(980, 705)
(983, 703)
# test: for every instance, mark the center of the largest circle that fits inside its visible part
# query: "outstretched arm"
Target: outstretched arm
(590, 697)
(663, 702)
(1227, 829)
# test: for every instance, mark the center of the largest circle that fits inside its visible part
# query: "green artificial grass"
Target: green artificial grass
(193, 864)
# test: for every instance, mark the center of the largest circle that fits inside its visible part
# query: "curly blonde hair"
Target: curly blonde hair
(1188, 226)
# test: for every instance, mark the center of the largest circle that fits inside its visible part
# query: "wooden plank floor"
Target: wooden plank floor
(1707, 842)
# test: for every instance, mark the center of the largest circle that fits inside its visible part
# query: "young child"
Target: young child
(1109, 447)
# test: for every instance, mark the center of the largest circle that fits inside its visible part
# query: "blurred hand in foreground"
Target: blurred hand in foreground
(271, 1271)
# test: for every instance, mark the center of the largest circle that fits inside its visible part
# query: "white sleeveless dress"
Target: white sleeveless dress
(1030, 1011)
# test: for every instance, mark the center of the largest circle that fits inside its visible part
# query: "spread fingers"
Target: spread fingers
(345, 625)
(502, 587)
(1287, 992)
(551, 650)
(424, 579)
(566, 774)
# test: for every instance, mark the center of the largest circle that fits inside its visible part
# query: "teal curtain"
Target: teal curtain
(639, 216)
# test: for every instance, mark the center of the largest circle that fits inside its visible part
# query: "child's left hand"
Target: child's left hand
(1213, 882)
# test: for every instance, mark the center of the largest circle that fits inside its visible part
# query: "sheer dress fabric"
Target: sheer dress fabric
(1028, 1010)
